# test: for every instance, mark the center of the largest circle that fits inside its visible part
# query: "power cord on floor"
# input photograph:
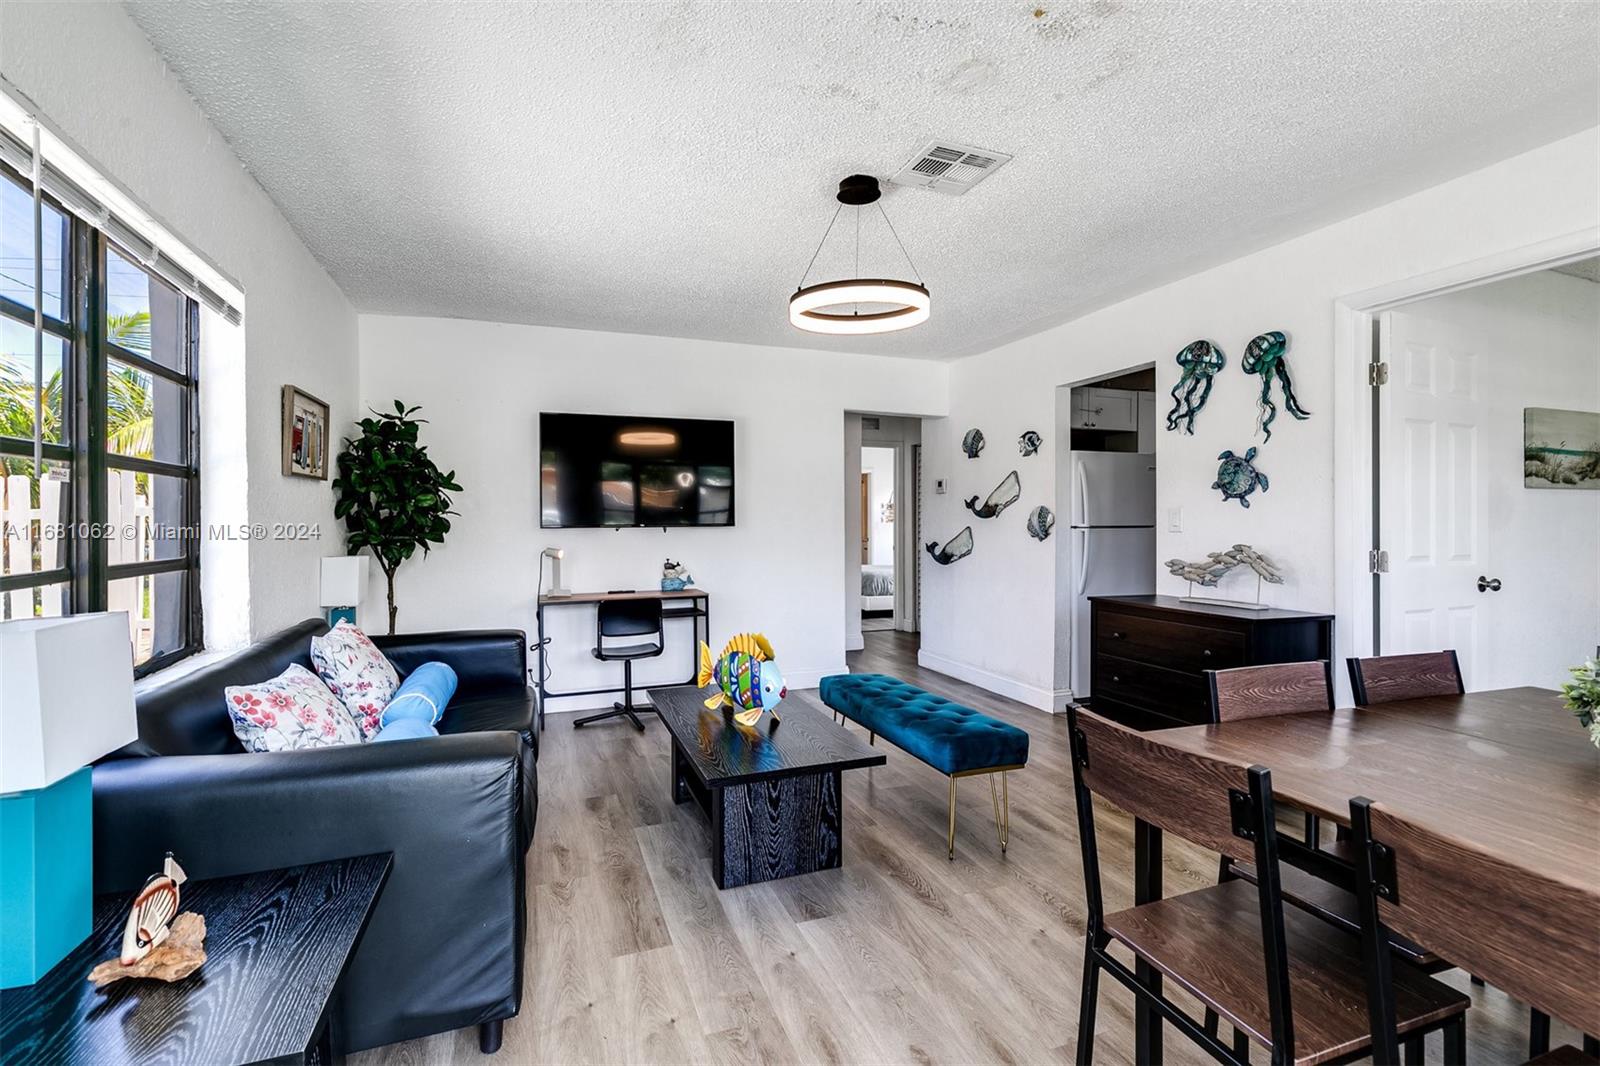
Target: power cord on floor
(542, 643)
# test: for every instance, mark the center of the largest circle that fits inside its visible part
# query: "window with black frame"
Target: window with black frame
(112, 520)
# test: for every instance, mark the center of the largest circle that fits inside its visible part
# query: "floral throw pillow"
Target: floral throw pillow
(292, 711)
(357, 672)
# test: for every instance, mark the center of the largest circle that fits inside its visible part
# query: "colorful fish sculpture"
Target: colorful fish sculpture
(747, 678)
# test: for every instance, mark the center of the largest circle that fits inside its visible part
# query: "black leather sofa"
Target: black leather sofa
(444, 947)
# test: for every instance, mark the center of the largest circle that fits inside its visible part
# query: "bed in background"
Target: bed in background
(877, 588)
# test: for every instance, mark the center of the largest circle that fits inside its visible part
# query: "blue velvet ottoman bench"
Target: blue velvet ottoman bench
(955, 740)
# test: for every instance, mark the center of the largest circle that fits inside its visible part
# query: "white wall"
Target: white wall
(1537, 338)
(780, 570)
(990, 617)
(878, 464)
(94, 76)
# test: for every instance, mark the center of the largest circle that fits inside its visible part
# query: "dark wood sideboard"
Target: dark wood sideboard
(1148, 654)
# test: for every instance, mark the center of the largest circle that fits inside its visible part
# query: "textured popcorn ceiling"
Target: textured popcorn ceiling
(667, 168)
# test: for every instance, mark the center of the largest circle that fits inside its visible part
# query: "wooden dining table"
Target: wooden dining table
(1510, 771)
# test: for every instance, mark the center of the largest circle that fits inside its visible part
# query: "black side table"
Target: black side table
(277, 945)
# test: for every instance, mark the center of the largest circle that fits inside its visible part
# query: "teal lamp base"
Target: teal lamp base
(46, 876)
(335, 615)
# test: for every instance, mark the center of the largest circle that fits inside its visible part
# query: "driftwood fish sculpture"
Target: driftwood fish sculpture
(1217, 565)
(150, 918)
(972, 444)
(1004, 495)
(1264, 356)
(957, 547)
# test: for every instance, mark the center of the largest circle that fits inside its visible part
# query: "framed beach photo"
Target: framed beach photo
(305, 434)
(1560, 449)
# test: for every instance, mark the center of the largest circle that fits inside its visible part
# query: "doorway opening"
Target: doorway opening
(1485, 479)
(883, 464)
(1106, 500)
(878, 554)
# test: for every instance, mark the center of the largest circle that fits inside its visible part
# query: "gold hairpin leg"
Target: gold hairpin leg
(951, 840)
(1002, 821)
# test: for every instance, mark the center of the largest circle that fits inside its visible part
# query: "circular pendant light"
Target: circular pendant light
(859, 305)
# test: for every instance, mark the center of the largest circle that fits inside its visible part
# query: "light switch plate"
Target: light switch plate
(939, 486)
(1174, 519)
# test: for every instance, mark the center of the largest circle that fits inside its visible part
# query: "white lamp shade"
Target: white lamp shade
(344, 577)
(66, 696)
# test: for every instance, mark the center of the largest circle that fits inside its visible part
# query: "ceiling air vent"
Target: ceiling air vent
(950, 168)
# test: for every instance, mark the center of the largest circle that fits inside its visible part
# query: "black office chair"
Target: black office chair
(625, 618)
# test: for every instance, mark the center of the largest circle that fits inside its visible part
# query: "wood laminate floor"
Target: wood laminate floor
(901, 956)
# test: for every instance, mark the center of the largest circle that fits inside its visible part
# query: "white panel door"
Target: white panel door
(1433, 496)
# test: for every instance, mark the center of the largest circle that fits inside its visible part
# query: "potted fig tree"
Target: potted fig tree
(391, 496)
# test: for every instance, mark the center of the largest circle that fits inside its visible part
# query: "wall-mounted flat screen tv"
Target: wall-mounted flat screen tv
(611, 471)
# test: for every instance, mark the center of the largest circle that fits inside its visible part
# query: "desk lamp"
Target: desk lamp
(555, 555)
(66, 699)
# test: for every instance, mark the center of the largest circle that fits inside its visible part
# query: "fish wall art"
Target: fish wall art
(1004, 495)
(973, 443)
(1238, 477)
(1264, 357)
(1040, 523)
(1029, 443)
(1200, 362)
(957, 547)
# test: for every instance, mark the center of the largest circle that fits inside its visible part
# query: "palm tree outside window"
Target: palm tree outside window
(113, 522)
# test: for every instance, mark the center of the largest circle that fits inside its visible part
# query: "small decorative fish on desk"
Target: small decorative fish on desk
(154, 908)
(747, 677)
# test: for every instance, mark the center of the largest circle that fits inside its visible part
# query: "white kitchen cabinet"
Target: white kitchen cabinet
(1110, 410)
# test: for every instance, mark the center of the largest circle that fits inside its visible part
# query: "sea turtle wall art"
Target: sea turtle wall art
(1004, 495)
(1264, 356)
(1199, 362)
(1040, 523)
(1029, 443)
(957, 547)
(973, 443)
(1238, 477)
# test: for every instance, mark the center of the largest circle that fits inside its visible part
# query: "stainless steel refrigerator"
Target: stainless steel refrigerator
(1112, 537)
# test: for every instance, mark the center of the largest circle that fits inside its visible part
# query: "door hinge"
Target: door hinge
(1377, 374)
(1377, 561)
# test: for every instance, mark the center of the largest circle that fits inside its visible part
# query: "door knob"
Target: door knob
(1488, 584)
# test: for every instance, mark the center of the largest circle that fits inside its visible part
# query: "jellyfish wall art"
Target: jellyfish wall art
(1264, 356)
(1200, 362)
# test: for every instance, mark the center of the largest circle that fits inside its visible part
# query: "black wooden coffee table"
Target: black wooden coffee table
(277, 945)
(773, 796)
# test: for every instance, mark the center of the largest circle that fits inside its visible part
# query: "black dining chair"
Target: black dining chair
(618, 620)
(1282, 978)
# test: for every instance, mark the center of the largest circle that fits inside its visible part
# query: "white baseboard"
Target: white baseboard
(1033, 695)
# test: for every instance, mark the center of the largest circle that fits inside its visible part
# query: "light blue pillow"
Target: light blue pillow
(404, 729)
(422, 696)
